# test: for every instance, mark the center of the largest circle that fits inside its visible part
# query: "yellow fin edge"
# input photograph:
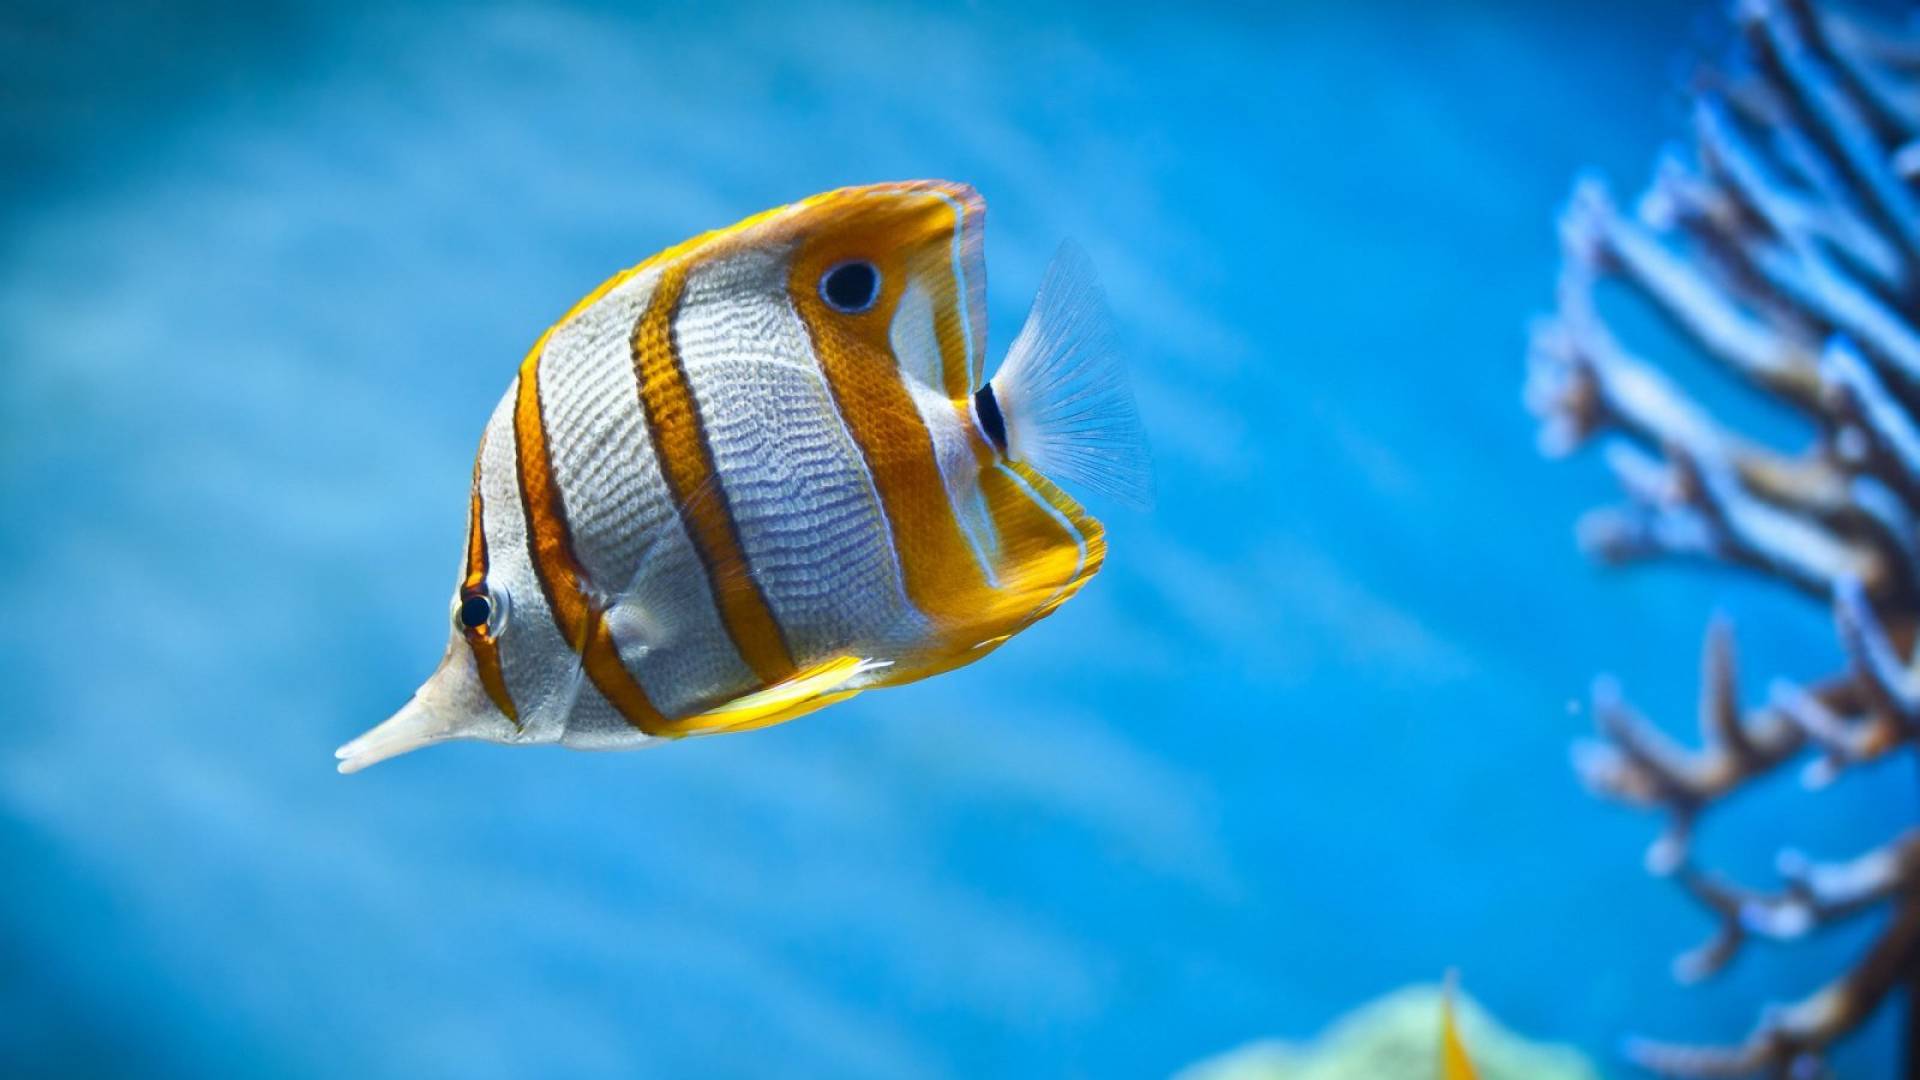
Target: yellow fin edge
(805, 691)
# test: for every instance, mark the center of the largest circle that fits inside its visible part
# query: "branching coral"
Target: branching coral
(1786, 245)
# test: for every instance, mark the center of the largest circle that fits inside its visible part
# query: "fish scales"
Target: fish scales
(627, 533)
(803, 502)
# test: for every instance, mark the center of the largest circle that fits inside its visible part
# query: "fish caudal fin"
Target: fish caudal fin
(1062, 396)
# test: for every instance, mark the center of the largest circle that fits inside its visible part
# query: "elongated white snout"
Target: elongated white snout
(451, 704)
(414, 726)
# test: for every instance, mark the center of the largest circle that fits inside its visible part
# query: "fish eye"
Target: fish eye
(850, 287)
(476, 611)
(481, 610)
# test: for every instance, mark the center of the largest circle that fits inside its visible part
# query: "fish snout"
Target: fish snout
(414, 726)
(451, 704)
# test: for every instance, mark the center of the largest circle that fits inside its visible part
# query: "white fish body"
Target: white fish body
(761, 472)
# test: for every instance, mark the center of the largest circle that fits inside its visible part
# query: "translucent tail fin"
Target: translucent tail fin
(1068, 409)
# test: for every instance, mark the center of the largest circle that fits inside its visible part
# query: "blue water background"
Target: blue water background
(265, 269)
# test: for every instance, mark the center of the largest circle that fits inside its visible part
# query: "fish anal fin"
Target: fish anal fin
(803, 692)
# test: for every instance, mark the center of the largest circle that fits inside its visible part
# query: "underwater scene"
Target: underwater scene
(1392, 550)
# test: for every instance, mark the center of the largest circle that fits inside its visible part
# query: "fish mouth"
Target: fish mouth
(414, 726)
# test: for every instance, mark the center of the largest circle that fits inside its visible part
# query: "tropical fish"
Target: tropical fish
(761, 472)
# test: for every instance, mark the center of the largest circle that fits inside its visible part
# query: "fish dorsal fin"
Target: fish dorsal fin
(806, 690)
(951, 264)
(925, 239)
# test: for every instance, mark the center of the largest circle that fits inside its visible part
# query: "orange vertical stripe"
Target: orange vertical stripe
(486, 651)
(476, 540)
(686, 461)
(1040, 531)
(581, 623)
(943, 578)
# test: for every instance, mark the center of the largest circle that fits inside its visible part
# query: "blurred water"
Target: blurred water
(266, 269)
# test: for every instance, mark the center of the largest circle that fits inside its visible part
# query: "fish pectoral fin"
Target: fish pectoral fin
(799, 694)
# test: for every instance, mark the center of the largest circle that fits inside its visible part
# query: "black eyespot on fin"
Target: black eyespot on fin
(995, 425)
(850, 287)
